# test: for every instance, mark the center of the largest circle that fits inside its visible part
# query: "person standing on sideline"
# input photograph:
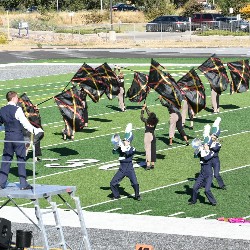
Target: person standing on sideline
(215, 98)
(126, 169)
(14, 120)
(186, 109)
(215, 147)
(175, 121)
(206, 174)
(149, 137)
(121, 94)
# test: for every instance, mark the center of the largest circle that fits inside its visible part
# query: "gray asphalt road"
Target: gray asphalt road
(37, 54)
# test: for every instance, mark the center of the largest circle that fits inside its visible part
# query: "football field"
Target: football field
(88, 162)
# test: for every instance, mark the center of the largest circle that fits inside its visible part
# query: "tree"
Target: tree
(191, 7)
(225, 5)
(157, 8)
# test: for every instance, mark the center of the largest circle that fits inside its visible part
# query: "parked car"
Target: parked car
(168, 23)
(32, 9)
(204, 20)
(124, 7)
(243, 26)
(225, 22)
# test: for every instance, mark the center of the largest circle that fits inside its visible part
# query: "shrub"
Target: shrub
(3, 38)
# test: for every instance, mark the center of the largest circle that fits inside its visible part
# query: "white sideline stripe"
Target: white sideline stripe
(144, 212)
(176, 214)
(208, 216)
(137, 223)
(111, 210)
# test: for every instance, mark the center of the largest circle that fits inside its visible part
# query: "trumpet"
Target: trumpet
(116, 141)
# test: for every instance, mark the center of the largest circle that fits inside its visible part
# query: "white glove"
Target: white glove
(38, 130)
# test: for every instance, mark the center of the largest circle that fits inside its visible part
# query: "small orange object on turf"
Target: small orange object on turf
(143, 247)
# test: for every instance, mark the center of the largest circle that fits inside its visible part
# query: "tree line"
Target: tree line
(151, 8)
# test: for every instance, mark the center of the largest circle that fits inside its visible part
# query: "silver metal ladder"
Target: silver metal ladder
(85, 244)
(44, 229)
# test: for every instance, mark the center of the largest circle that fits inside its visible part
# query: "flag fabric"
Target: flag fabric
(89, 79)
(110, 79)
(240, 74)
(71, 109)
(83, 71)
(216, 74)
(164, 84)
(193, 90)
(30, 110)
(138, 90)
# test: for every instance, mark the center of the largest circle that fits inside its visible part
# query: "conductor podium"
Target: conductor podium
(49, 193)
(13, 192)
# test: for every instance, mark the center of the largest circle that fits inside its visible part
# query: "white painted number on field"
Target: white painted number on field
(71, 163)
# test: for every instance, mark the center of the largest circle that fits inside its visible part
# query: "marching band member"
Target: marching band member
(206, 173)
(215, 147)
(126, 169)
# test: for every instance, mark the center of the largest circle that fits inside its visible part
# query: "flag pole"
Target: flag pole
(53, 96)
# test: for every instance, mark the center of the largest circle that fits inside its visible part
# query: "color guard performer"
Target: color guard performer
(122, 89)
(149, 137)
(175, 121)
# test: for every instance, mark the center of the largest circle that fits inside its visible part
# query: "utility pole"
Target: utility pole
(111, 17)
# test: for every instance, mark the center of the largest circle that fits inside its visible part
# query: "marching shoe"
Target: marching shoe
(152, 167)
(148, 168)
(27, 187)
(213, 204)
(116, 198)
(191, 203)
(191, 128)
(187, 143)
(138, 198)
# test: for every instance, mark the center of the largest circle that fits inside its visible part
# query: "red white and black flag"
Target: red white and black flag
(71, 109)
(164, 84)
(110, 80)
(139, 89)
(240, 74)
(193, 90)
(216, 74)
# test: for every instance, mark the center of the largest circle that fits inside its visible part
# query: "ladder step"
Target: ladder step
(57, 244)
(52, 228)
(48, 212)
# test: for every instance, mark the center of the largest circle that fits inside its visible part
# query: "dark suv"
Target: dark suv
(168, 23)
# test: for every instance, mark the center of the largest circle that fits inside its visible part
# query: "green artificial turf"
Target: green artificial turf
(166, 189)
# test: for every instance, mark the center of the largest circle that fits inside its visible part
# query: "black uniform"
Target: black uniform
(205, 177)
(215, 147)
(13, 133)
(126, 170)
